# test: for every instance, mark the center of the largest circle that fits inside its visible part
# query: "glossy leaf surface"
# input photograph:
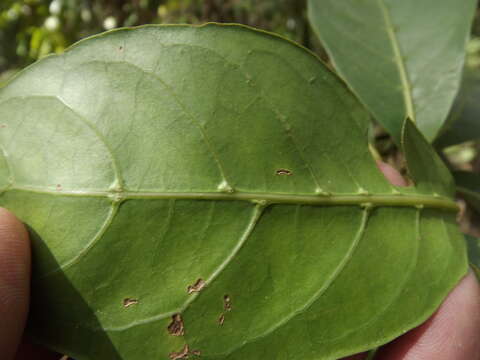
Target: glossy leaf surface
(212, 187)
(397, 56)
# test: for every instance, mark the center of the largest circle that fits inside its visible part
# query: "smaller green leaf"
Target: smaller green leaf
(396, 55)
(473, 248)
(463, 123)
(468, 186)
(420, 157)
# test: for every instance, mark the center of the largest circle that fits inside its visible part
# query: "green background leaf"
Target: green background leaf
(397, 56)
(468, 186)
(150, 162)
(464, 121)
(473, 246)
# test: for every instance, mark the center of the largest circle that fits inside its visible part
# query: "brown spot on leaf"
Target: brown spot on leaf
(176, 327)
(182, 354)
(58, 187)
(196, 352)
(3, 126)
(284, 172)
(120, 48)
(227, 303)
(221, 319)
(129, 302)
(197, 287)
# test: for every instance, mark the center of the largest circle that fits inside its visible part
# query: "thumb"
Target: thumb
(14, 282)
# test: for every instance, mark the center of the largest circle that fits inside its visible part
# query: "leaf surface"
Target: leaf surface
(209, 190)
(473, 246)
(397, 56)
(463, 123)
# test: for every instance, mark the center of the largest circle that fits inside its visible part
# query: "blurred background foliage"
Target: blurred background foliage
(31, 29)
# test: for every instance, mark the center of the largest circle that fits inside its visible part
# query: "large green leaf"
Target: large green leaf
(216, 182)
(468, 186)
(402, 58)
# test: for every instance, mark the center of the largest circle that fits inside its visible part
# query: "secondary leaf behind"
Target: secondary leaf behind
(397, 56)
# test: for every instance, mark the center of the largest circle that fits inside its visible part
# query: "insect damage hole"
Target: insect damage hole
(283, 172)
(182, 354)
(197, 287)
(129, 302)
(227, 303)
(176, 327)
(227, 306)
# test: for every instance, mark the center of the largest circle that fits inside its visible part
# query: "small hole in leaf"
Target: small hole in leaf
(182, 354)
(196, 352)
(227, 303)
(129, 302)
(197, 287)
(284, 172)
(176, 327)
(392, 174)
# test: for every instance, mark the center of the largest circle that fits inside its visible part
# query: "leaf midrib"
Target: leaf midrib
(396, 199)
(398, 59)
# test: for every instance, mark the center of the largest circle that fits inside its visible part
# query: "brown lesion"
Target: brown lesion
(129, 302)
(176, 327)
(197, 287)
(184, 353)
(227, 306)
(227, 303)
(283, 172)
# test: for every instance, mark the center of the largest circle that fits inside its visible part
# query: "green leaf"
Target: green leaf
(468, 186)
(402, 58)
(216, 182)
(464, 120)
(473, 247)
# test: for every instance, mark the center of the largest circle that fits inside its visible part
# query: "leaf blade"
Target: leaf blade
(392, 60)
(177, 220)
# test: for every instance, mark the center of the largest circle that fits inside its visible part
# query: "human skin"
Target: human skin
(452, 333)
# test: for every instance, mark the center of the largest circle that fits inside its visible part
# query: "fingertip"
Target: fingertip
(28, 351)
(392, 174)
(14, 253)
(14, 281)
(451, 333)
